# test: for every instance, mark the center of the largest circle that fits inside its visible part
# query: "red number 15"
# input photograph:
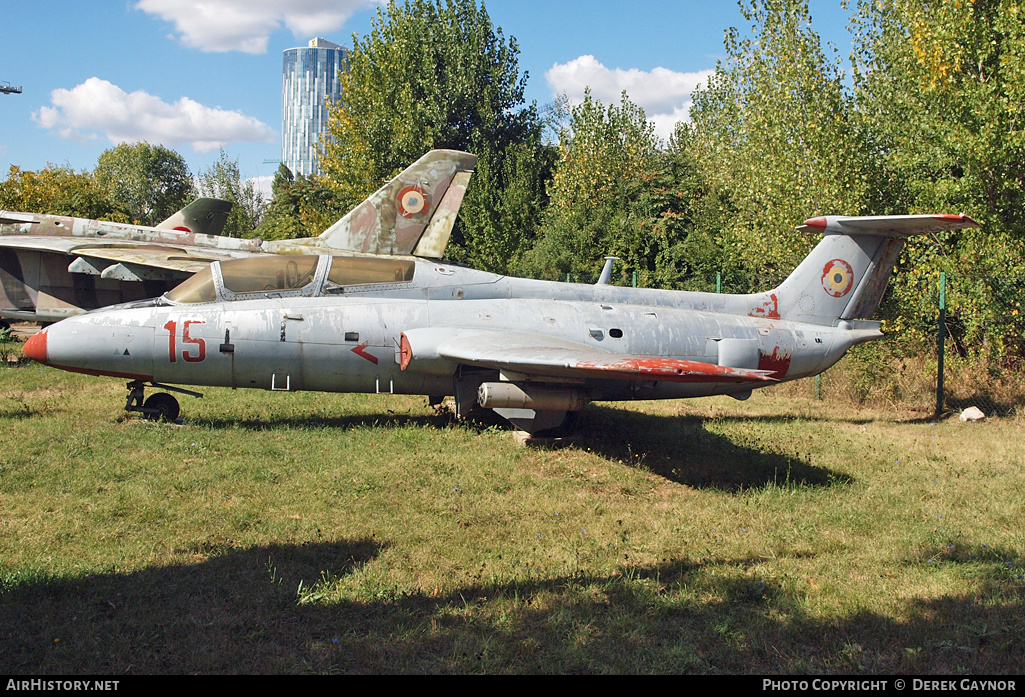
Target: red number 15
(172, 330)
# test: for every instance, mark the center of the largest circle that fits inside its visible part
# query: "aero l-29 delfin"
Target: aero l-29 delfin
(531, 351)
(53, 267)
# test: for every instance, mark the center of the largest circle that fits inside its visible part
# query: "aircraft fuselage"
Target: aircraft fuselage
(351, 342)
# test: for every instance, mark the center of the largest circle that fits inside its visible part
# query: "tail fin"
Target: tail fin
(204, 215)
(846, 274)
(412, 214)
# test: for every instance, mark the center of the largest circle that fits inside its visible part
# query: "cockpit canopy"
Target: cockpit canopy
(288, 276)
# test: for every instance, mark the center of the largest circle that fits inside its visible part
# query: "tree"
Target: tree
(435, 74)
(223, 180)
(57, 191)
(150, 182)
(609, 157)
(940, 87)
(773, 135)
(300, 206)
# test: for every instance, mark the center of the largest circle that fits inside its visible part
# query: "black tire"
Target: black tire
(164, 405)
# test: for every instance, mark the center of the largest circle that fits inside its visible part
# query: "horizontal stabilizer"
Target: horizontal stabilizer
(888, 225)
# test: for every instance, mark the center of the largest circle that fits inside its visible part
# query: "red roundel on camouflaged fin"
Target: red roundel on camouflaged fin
(837, 278)
(413, 201)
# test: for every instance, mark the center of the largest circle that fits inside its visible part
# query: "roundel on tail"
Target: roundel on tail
(413, 201)
(837, 278)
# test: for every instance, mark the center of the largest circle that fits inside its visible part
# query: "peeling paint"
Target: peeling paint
(778, 362)
(769, 309)
(672, 370)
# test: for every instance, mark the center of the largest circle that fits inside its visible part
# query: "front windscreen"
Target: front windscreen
(197, 289)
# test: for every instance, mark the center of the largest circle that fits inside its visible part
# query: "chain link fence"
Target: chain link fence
(955, 370)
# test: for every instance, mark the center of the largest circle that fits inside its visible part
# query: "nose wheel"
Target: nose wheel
(161, 406)
(157, 406)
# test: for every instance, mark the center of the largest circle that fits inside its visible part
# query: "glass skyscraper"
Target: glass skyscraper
(309, 80)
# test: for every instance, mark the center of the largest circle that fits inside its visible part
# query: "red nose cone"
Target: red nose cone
(35, 347)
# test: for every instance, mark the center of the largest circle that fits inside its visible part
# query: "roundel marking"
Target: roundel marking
(412, 201)
(837, 278)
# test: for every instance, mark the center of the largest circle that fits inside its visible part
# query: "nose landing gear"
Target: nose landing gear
(158, 406)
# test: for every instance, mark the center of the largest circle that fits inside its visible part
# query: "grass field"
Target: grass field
(310, 533)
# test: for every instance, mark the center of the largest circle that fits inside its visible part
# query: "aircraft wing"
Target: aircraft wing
(16, 218)
(548, 356)
(143, 262)
(182, 260)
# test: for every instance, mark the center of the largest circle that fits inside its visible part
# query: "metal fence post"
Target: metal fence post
(940, 342)
(718, 281)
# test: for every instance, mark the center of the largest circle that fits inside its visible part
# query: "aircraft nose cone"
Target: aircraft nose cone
(35, 347)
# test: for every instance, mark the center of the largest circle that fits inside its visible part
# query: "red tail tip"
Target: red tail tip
(818, 223)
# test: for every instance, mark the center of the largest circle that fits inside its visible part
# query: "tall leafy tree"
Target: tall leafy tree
(772, 132)
(941, 90)
(224, 180)
(438, 74)
(599, 195)
(300, 206)
(618, 190)
(149, 182)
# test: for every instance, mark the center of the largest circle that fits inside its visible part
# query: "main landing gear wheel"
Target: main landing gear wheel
(161, 406)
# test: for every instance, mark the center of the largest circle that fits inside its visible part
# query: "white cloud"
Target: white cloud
(100, 107)
(230, 25)
(264, 186)
(665, 95)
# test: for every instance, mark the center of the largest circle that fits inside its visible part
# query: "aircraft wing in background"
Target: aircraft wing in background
(52, 267)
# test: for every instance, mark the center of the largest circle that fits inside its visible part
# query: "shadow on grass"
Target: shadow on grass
(239, 612)
(682, 449)
(678, 448)
(317, 421)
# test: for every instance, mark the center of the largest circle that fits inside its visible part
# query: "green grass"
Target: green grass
(311, 533)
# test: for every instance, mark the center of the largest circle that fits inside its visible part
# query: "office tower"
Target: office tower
(309, 81)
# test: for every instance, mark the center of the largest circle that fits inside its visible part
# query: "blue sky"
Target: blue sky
(196, 75)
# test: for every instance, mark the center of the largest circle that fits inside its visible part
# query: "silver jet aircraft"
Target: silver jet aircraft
(52, 267)
(531, 351)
